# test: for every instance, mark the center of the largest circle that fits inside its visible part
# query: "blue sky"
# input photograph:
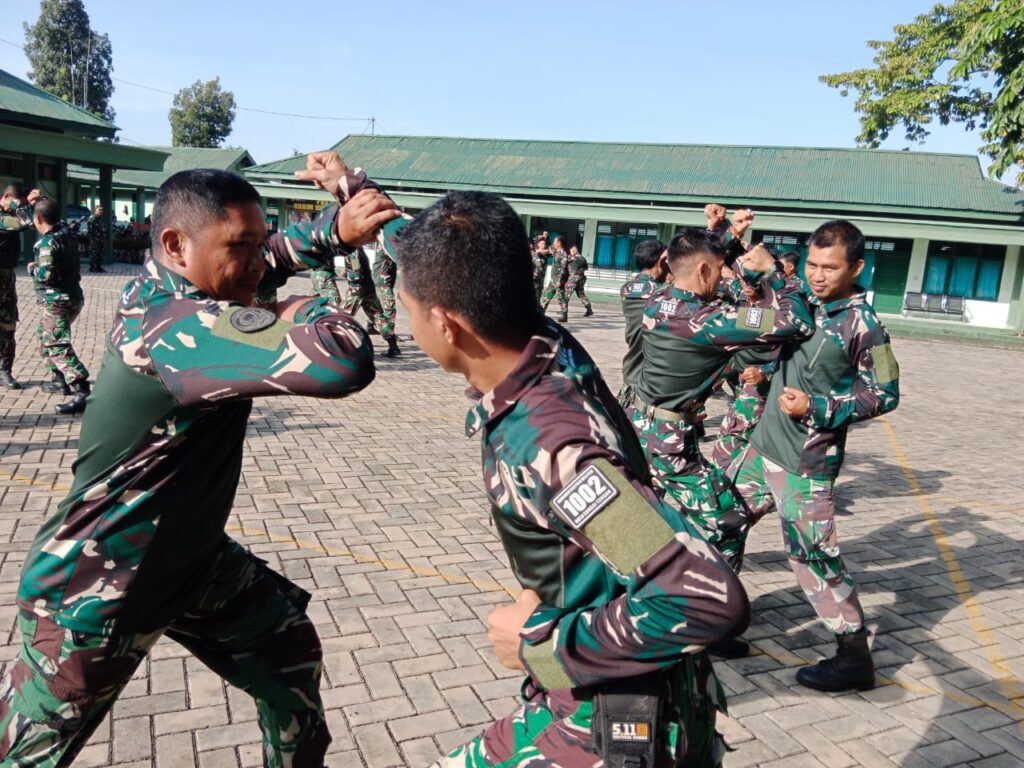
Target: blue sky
(682, 72)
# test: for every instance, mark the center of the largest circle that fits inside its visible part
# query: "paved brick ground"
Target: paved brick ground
(374, 504)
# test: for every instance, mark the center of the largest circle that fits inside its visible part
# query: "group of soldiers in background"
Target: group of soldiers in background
(56, 280)
(568, 274)
(804, 361)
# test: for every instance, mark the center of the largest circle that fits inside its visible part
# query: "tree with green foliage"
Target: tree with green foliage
(70, 59)
(202, 115)
(962, 62)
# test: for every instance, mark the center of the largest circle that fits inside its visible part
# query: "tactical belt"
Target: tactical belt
(654, 412)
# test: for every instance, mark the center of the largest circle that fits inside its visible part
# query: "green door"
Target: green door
(890, 281)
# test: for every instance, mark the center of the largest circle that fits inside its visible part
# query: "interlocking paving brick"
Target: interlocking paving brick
(392, 537)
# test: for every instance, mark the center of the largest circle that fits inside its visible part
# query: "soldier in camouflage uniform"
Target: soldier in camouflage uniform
(650, 259)
(559, 277)
(618, 588)
(56, 278)
(385, 276)
(97, 240)
(844, 374)
(137, 549)
(749, 375)
(540, 255)
(576, 284)
(688, 339)
(15, 218)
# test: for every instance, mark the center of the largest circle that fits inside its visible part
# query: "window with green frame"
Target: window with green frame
(970, 270)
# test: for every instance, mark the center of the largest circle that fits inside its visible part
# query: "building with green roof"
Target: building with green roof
(134, 191)
(934, 223)
(41, 134)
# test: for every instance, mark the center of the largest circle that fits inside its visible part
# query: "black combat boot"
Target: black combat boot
(371, 330)
(393, 350)
(589, 312)
(79, 391)
(56, 385)
(850, 668)
(6, 377)
(733, 648)
(563, 318)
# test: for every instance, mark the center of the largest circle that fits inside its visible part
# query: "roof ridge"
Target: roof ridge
(57, 99)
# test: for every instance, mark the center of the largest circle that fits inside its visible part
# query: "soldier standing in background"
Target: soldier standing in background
(97, 240)
(559, 277)
(539, 254)
(576, 284)
(650, 260)
(15, 217)
(56, 277)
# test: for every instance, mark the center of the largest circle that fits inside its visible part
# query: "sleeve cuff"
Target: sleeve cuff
(817, 410)
(353, 181)
(543, 665)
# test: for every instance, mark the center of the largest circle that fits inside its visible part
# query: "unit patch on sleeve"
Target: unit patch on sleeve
(588, 493)
(757, 318)
(252, 319)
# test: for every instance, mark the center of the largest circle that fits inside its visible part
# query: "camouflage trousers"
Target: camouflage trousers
(553, 290)
(249, 626)
(325, 283)
(54, 333)
(701, 491)
(538, 287)
(739, 421)
(554, 729)
(576, 285)
(389, 309)
(96, 248)
(807, 513)
(8, 316)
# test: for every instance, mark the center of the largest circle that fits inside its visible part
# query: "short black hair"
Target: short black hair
(18, 190)
(647, 253)
(469, 253)
(189, 200)
(47, 210)
(691, 242)
(792, 257)
(840, 232)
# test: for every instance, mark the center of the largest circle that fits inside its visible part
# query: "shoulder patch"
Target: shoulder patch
(756, 318)
(886, 368)
(669, 306)
(252, 319)
(588, 493)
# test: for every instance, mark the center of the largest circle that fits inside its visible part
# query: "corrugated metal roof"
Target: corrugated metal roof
(180, 159)
(781, 175)
(22, 102)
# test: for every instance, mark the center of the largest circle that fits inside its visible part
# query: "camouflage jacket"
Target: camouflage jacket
(97, 232)
(848, 369)
(161, 443)
(55, 271)
(578, 265)
(358, 273)
(688, 341)
(540, 265)
(13, 222)
(560, 267)
(627, 585)
(634, 294)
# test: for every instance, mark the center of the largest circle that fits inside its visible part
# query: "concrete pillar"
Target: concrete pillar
(107, 201)
(527, 222)
(666, 232)
(139, 205)
(1008, 281)
(30, 170)
(918, 261)
(282, 215)
(589, 239)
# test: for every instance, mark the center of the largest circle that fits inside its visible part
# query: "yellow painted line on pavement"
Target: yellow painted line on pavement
(1010, 685)
(52, 486)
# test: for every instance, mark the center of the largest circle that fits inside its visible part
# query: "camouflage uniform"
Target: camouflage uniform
(56, 278)
(12, 223)
(559, 277)
(628, 587)
(634, 294)
(687, 343)
(97, 242)
(540, 266)
(577, 280)
(848, 369)
(746, 407)
(138, 549)
(359, 290)
(385, 275)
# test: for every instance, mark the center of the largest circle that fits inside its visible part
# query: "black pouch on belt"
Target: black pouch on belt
(627, 720)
